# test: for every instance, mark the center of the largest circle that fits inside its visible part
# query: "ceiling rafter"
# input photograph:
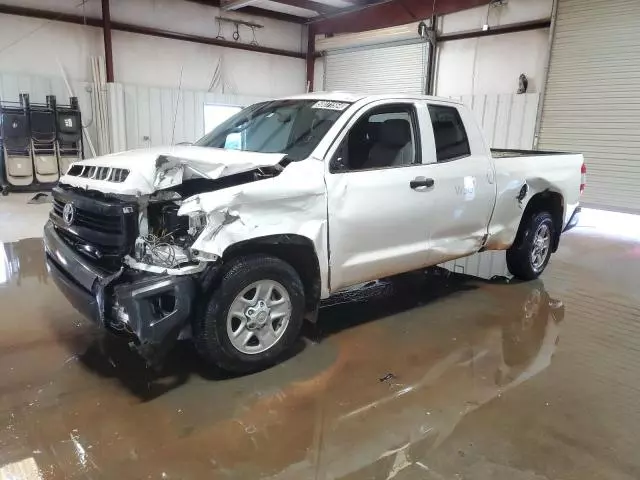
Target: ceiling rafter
(321, 8)
(257, 11)
(388, 13)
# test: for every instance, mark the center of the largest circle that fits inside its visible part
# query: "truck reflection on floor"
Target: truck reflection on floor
(489, 338)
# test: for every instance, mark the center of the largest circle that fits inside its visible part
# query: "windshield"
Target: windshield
(294, 127)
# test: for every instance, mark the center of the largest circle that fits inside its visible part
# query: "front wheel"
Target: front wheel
(528, 256)
(253, 317)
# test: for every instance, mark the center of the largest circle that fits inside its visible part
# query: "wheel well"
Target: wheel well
(296, 250)
(546, 201)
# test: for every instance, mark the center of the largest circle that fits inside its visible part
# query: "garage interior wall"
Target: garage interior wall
(481, 72)
(590, 104)
(492, 64)
(35, 50)
(163, 116)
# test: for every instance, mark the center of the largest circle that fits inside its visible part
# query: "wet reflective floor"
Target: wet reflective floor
(426, 377)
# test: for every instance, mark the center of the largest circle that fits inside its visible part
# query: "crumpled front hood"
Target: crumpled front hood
(154, 169)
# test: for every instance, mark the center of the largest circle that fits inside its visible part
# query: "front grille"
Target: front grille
(95, 221)
(77, 243)
(102, 227)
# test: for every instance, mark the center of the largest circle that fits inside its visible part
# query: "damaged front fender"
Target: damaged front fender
(294, 202)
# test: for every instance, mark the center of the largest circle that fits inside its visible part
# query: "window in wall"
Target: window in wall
(450, 135)
(383, 137)
(214, 115)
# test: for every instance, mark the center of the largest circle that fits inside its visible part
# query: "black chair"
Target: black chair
(16, 144)
(69, 135)
(43, 143)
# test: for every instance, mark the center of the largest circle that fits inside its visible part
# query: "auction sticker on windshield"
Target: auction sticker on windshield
(326, 105)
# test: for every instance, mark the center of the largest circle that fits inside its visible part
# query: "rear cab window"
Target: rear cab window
(449, 133)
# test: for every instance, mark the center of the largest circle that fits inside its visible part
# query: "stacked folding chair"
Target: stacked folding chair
(69, 135)
(38, 142)
(16, 143)
(43, 141)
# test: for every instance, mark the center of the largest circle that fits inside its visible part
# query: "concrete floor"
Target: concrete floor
(435, 378)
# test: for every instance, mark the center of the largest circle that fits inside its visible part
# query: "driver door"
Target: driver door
(378, 195)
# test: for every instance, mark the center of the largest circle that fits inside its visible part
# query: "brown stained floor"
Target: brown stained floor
(480, 380)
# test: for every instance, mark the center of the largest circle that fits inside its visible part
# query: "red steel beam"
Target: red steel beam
(311, 59)
(108, 46)
(390, 14)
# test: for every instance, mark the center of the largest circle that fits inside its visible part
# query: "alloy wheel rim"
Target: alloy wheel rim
(541, 245)
(259, 316)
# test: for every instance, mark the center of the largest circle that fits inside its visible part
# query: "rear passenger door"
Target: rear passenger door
(464, 188)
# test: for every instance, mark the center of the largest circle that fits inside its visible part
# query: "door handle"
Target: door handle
(419, 182)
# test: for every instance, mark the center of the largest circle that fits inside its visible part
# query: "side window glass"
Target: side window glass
(449, 133)
(233, 141)
(382, 138)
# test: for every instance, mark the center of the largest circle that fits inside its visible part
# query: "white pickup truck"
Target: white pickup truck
(235, 240)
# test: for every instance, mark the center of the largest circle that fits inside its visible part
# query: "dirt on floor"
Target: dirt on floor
(431, 377)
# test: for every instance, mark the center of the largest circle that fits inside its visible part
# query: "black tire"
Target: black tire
(519, 254)
(210, 330)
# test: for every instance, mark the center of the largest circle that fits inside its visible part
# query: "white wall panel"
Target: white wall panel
(39, 47)
(34, 46)
(492, 64)
(318, 75)
(514, 11)
(158, 116)
(137, 61)
(174, 15)
(508, 121)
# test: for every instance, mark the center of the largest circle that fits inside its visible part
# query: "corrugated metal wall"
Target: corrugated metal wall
(162, 116)
(508, 120)
(592, 104)
(382, 69)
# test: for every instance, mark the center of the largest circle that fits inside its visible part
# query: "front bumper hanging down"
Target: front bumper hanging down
(151, 308)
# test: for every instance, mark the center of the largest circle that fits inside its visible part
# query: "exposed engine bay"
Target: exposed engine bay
(165, 237)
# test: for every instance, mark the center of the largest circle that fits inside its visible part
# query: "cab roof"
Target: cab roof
(354, 97)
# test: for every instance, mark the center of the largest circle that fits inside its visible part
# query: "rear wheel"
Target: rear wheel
(254, 316)
(528, 256)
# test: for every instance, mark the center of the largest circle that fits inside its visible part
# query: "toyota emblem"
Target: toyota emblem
(68, 214)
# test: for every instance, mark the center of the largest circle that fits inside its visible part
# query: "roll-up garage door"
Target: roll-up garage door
(379, 69)
(592, 101)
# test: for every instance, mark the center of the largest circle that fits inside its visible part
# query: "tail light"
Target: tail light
(583, 177)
